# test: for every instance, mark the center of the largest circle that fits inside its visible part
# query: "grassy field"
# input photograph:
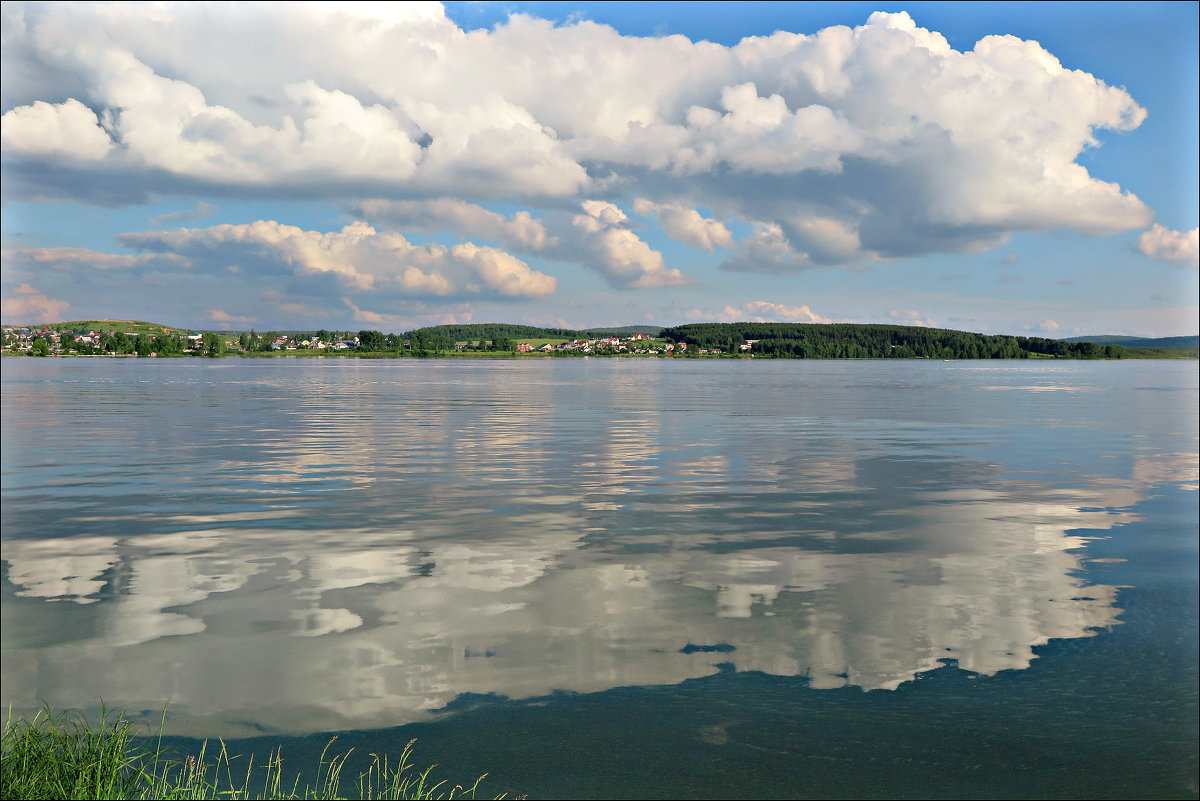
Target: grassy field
(132, 327)
(63, 756)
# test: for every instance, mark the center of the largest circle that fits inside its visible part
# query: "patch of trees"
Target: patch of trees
(865, 341)
(437, 339)
(122, 343)
(371, 340)
(212, 345)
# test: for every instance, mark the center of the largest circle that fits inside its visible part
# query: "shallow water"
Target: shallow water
(614, 578)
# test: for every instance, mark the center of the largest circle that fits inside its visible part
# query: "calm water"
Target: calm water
(623, 578)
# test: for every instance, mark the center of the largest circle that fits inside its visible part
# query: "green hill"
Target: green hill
(117, 326)
(868, 341)
(1165, 343)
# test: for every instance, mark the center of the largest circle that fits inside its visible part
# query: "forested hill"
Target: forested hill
(492, 332)
(857, 341)
(1165, 343)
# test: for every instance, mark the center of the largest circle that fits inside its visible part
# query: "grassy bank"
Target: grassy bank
(64, 756)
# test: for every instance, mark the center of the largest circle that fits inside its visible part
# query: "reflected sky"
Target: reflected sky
(303, 546)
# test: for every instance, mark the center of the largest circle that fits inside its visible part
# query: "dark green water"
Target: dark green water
(624, 579)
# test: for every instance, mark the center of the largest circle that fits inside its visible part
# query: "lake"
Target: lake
(623, 577)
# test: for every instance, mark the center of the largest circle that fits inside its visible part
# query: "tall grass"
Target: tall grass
(62, 756)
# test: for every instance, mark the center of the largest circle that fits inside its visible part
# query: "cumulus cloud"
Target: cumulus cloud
(357, 257)
(686, 225)
(1180, 247)
(616, 252)
(598, 238)
(520, 231)
(912, 317)
(31, 306)
(764, 311)
(221, 317)
(68, 130)
(847, 145)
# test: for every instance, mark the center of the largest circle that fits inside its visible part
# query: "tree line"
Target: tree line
(124, 344)
(866, 341)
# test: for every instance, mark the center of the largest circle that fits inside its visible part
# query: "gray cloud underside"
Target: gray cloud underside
(841, 147)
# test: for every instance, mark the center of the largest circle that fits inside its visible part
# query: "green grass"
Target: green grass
(63, 756)
(123, 326)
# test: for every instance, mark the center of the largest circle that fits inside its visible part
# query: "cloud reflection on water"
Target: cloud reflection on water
(441, 539)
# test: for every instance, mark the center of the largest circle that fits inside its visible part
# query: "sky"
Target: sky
(1014, 168)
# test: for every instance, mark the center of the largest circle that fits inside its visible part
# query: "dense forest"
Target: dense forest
(855, 341)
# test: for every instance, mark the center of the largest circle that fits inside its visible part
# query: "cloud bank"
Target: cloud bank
(30, 305)
(840, 147)
(356, 258)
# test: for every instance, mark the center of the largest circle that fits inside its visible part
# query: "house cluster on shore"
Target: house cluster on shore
(637, 343)
(313, 343)
(21, 339)
(52, 341)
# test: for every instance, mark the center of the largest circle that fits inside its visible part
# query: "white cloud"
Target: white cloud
(599, 238)
(748, 133)
(763, 311)
(502, 272)
(878, 141)
(520, 231)
(224, 318)
(912, 317)
(367, 316)
(358, 257)
(617, 253)
(67, 130)
(1181, 247)
(686, 225)
(31, 306)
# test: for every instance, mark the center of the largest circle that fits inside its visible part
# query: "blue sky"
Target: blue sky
(1026, 168)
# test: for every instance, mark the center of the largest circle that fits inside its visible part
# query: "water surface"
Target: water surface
(669, 562)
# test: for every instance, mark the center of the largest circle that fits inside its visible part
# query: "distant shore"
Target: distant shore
(507, 341)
